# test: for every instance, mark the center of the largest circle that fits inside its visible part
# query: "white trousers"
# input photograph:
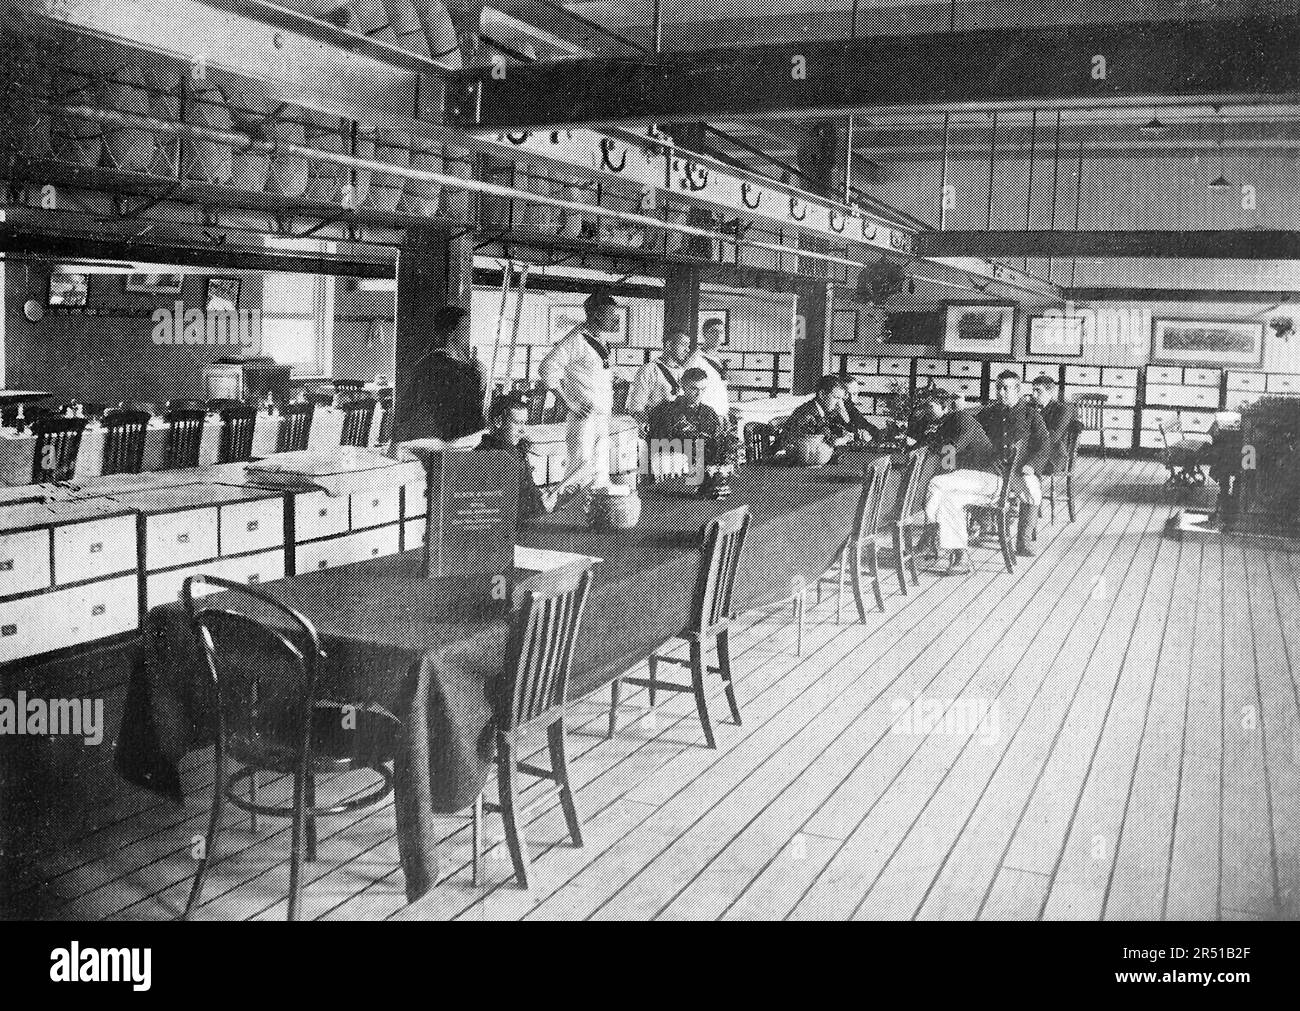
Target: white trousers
(588, 446)
(949, 494)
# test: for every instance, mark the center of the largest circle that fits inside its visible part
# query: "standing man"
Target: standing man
(579, 370)
(716, 394)
(661, 379)
(1062, 420)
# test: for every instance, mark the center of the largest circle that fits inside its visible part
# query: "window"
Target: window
(298, 321)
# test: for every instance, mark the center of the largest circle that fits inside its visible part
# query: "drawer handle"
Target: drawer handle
(374, 552)
(8, 630)
(252, 525)
(97, 547)
(182, 538)
(7, 565)
(97, 610)
(375, 503)
(322, 565)
(254, 579)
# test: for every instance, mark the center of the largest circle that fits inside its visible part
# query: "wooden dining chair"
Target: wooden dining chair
(710, 621)
(532, 695)
(295, 427)
(55, 453)
(124, 435)
(263, 675)
(863, 542)
(909, 516)
(760, 437)
(237, 426)
(1003, 512)
(1066, 476)
(184, 438)
(357, 417)
(1092, 407)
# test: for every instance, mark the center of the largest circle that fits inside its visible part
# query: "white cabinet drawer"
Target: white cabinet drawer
(1283, 384)
(1119, 377)
(1154, 417)
(318, 515)
(375, 508)
(98, 610)
(415, 499)
(1082, 375)
(165, 587)
(1164, 374)
(1152, 440)
(1199, 396)
(345, 550)
(1202, 377)
(1163, 396)
(1118, 438)
(1116, 418)
(1253, 382)
(1235, 400)
(767, 362)
(1089, 437)
(968, 388)
(1196, 422)
(931, 367)
(94, 548)
(878, 384)
(413, 534)
(180, 538)
(895, 366)
(1120, 396)
(374, 543)
(252, 526)
(24, 561)
(966, 370)
(25, 627)
(862, 366)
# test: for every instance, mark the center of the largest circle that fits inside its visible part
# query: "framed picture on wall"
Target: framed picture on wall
(1056, 335)
(563, 319)
(1207, 342)
(222, 294)
(979, 328)
(717, 316)
(154, 284)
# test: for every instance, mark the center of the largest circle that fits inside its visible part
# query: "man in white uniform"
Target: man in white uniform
(715, 395)
(579, 370)
(660, 379)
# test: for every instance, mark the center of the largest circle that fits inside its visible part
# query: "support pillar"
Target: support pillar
(681, 300)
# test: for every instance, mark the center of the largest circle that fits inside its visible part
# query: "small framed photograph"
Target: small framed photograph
(1056, 335)
(717, 317)
(979, 328)
(222, 294)
(154, 284)
(1207, 342)
(564, 319)
(69, 289)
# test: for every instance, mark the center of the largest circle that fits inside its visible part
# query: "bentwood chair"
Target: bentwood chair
(1066, 475)
(124, 435)
(710, 621)
(184, 438)
(263, 673)
(57, 442)
(357, 417)
(237, 425)
(863, 542)
(1091, 409)
(532, 694)
(1002, 513)
(295, 427)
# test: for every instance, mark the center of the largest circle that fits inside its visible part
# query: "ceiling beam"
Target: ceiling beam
(1209, 61)
(1179, 295)
(1236, 244)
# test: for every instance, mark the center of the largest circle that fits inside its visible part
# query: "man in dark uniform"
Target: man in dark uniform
(849, 419)
(1062, 421)
(1015, 426)
(819, 415)
(509, 422)
(689, 422)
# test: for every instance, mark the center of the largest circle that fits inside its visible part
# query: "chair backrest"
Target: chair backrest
(909, 489)
(548, 615)
(1072, 447)
(1171, 431)
(544, 407)
(357, 417)
(867, 519)
(1007, 485)
(263, 677)
(295, 427)
(237, 424)
(184, 437)
(386, 425)
(723, 542)
(124, 434)
(220, 404)
(760, 437)
(57, 442)
(1090, 407)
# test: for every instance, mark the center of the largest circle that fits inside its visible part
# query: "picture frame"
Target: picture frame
(979, 328)
(722, 316)
(1058, 335)
(154, 284)
(68, 289)
(1207, 342)
(221, 294)
(563, 318)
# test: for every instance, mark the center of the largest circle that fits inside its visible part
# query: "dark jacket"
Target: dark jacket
(809, 419)
(530, 498)
(1062, 420)
(960, 437)
(452, 397)
(1019, 430)
(676, 419)
(850, 421)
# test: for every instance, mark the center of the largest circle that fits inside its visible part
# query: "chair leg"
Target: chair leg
(911, 546)
(842, 570)
(252, 799)
(801, 610)
(508, 787)
(855, 576)
(311, 818)
(560, 765)
(653, 671)
(697, 681)
(1004, 542)
(476, 840)
(873, 557)
(900, 558)
(614, 688)
(214, 833)
(296, 853)
(1069, 495)
(724, 665)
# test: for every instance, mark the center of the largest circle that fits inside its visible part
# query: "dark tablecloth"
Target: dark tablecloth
(429, 650)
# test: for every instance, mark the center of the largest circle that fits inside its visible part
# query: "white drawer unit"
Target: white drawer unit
(345, 550)
(966, 369)
(1116, 417)
(24, 562)
(931, 367)
(318, 515)
(376, 508)
(172, 539)
(1082, 375)
(767, 362)
(1116, 396)
(861, 366)
(1164, 374)
(968, 388)
(1280, 383)
(252, 526)
(1196, 422)
(1154, 417)
(1202, 377)
(1183, 396)
(1090, 437)
(413, 534)
(895, 366)
(1252, 382)
(1119, 377)
(1235, 400)
(732, 359)
(1118, 438)
(99, 610)
(165, 587)
(415, 498)
(94, 549)
(1151, 439)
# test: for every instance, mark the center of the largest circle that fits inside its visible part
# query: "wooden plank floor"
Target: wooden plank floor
(1113, 731)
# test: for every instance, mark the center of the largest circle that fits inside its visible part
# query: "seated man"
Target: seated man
(509, 421)
(818, 417)
(849, 419)
(1061, 419)
(1013, 429)
(696, 427)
